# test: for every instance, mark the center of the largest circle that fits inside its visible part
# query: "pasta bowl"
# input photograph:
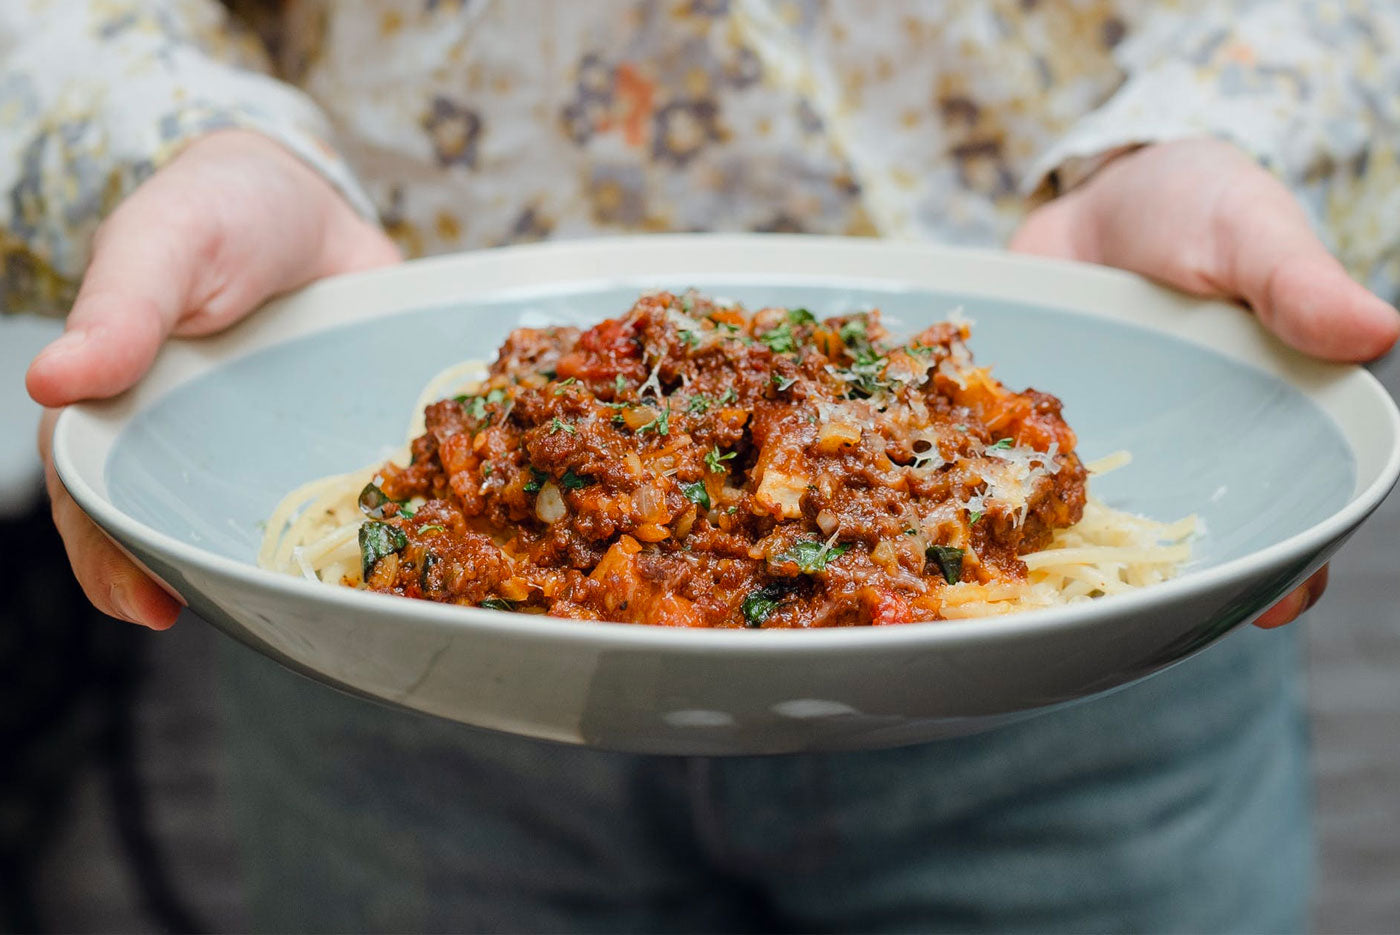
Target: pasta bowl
(1279, 456)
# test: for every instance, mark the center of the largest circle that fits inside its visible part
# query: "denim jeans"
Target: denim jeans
(1178, 804)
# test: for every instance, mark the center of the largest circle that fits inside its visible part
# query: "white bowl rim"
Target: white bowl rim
(926, 634)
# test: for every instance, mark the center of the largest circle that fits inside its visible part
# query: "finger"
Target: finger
(111, 581)
(1293, 606)
(1272, 259)
(1053, 230)
(132, 295)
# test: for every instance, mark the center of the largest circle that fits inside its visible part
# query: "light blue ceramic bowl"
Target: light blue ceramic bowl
(1280, 456)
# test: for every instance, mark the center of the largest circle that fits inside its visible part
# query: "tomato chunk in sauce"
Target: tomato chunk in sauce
(692, 464)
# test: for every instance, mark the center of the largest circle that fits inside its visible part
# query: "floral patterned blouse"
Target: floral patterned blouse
(470, 123)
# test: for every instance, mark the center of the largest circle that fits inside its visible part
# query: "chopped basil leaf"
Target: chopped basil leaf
(661, 425)
(376, 541)
(373, 500)
(948, 559)
(696, 493)
(430, 560)
(759, 605)
(1000, 444)
(572, 481)
(536, 480)
(780, 339)
(715, 461)
(812, 556)
(497, 603)
(800, 316)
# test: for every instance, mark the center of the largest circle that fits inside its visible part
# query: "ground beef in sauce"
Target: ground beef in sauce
(692, 464)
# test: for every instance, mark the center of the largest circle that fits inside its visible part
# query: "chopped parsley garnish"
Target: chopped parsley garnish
(661, 425)
(572, 481)
(376, 541)
(477, 408)
(782, 382)
(800, 316)
(1001, 444)
(432, 527)
(560, 389)
(699, 404)
(619, 385)
(865, 373)
(715, 461)
(780, 339)
(497, 603)
(854, 334)
(948, 559)
(559, 425)
(536, 481)
(922, 350)
(498, 395)
(689, 338)
(728, 397)
(696, 493)
(973, 516)
(759, 605)
(911, 532)
(486, 469)
(405, 510)
(811, 556)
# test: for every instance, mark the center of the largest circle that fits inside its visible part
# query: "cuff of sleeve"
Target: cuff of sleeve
(245, 101)
(1171, 103)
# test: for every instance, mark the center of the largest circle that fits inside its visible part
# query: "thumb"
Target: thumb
(224, 227)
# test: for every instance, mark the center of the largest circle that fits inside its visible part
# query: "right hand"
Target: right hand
(232, 221)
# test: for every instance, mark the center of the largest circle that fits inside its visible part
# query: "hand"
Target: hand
(232, 221)
(1200, 216)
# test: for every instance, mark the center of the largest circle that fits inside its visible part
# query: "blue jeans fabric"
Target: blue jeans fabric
(1179, 804)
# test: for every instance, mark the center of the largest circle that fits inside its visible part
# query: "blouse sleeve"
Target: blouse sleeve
(95, 95)
(1307, 87)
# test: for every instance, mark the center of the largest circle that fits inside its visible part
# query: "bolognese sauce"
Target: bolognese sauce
(694, 464)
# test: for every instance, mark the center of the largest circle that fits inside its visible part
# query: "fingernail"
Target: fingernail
(68, 342)
(121, 603)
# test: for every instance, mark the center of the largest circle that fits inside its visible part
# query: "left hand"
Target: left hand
(1201, 216)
